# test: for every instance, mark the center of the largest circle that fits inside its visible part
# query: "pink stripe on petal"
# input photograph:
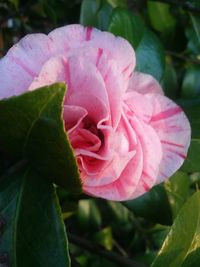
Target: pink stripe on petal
(171, 144)
(88, 33)
(147, 175)
(126, 68)
(146, 186)
(163, 174)
(173, 129)
(100, 52)
(26, 68)
(177, 153)
(166, 114)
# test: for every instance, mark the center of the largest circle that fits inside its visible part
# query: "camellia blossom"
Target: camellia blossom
(126, 135)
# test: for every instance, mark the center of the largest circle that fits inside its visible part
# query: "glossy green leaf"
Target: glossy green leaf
(182, 245)
(124, 23)
(153, 206)
(32, 231)
(177, 188)
(191, 83)
(103, 17)
(161, 17)
(89, 10)
(34, 130)
(192, 162)
(193, 45)
(192, 110)
(149, 50)
(150, 55)
(196, 25)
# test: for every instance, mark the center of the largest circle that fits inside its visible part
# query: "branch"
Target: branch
(186, 5)
(182, 57)
(112, 256)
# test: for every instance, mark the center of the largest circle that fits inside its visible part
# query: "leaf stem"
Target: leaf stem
(112, 256)
(182, 57)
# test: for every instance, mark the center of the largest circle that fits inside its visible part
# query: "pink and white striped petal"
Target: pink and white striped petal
(173, 129)
(23, 62)
(74, 36)
(137, 104)
(144, 84)
(152, 155)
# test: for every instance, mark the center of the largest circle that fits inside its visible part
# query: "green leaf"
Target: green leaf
(124, 23)
(196, 24)
(149, 50)
(34, 130)
(103, 17)
(191, 82)
(153, 206)
(182, 245)
(192, 162)
(160, 17)
(89, 10)
(177, 188)
(150, 55)
(33, 233)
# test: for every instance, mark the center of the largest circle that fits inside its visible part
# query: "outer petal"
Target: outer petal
(74, 36)
(120, 49)
(67, 37)
(23, 62)
(173, 129)
(144, 84)
(139, 105)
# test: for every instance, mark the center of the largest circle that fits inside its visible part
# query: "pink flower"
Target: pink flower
(126, 135)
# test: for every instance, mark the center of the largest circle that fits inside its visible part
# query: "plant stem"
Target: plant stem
(112, 256)
(182, 57)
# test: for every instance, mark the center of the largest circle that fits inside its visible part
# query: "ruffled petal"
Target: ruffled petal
(121, 185)
(144, 84)
(173, 129)
(67, 37)
(73, 117)
(152, 156)
(74, 36)
(11, 71)
(122, 188)
(138, 105)
(23, 62)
